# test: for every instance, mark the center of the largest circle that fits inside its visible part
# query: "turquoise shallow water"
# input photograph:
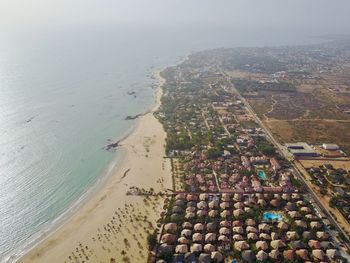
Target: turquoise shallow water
(270, 216)
(262, 175)
(63, 94)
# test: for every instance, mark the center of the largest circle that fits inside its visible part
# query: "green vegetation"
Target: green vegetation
(152, 240)
(265, 147)
(244, 85)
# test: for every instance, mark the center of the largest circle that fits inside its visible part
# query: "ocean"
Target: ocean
(64, 95)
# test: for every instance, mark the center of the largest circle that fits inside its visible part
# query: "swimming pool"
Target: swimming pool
(271, 216)
(262, 175)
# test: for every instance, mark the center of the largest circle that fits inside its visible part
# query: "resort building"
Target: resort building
(301, 149)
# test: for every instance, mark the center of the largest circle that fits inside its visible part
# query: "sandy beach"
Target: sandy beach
(113, 225)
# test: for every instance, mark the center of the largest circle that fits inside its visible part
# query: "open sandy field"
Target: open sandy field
(111, 226)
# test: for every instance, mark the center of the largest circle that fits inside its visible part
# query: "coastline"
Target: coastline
(142, 152)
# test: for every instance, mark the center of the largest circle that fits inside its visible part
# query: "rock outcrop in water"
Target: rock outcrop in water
(112, 146)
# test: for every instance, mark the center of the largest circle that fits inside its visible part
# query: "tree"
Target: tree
(214, 153)
(152, 240)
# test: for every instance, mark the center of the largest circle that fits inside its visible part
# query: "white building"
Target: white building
(330, 146)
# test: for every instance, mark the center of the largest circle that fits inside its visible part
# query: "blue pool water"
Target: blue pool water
(262, 175)
(270, 216)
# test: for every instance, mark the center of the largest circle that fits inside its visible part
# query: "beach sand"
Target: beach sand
(112, 224)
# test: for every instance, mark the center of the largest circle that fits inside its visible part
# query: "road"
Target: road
(283, 152)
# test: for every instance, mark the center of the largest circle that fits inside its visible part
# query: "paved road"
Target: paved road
(282, 151)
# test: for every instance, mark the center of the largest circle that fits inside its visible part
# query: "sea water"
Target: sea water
(64, 94)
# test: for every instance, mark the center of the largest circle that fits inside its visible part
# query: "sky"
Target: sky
(330, 15)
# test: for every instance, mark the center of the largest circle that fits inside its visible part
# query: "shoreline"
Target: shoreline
(34, 252)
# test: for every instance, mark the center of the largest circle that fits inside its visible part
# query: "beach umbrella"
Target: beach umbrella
(196, 248)
(224, 231)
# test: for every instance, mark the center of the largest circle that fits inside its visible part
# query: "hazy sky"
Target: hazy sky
(332, 15)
